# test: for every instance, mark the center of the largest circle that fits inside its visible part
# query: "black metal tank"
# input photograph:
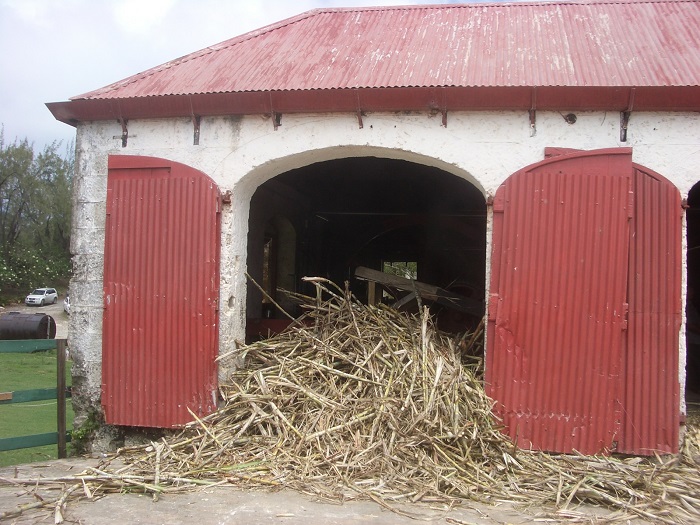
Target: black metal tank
(16, 325)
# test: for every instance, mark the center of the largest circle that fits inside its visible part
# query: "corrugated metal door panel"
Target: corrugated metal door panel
(160, 322)
(651, 402)
(558, 300)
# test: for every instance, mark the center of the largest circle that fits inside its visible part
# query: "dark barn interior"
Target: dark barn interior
(693, 301)
(330, 218)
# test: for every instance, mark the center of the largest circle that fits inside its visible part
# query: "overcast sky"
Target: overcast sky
(51, 50)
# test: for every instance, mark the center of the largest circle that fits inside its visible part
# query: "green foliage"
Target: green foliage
(35, 216)
(406, 269)
(25, 269)
(81, 436)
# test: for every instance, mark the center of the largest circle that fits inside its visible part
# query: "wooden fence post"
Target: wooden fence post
(61, 396)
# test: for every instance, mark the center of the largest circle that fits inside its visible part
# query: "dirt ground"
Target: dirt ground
(226, 505)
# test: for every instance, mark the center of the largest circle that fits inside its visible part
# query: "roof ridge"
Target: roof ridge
(492, 3)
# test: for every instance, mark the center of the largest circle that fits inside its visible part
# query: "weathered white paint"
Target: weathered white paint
(240, 153)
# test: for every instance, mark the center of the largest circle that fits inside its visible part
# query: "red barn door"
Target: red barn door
(651, 399)
(558, 301)
(161, 282)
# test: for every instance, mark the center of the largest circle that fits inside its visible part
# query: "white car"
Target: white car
(42, 296)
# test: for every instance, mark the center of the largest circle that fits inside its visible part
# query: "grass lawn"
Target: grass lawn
(27, 372)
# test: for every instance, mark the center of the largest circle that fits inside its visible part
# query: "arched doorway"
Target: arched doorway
(376, 213)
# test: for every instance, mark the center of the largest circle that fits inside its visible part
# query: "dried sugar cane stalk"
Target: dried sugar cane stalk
(21, 509)
(353, 421)
(156, 479)
(60, 506)
(204, 427)
(267, 296)
(338, 372)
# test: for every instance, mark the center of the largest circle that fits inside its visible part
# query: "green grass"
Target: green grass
(27, 372)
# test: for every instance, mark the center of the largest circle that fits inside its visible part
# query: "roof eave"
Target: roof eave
(432, 99)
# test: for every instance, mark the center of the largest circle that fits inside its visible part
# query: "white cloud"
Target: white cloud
(34, 11)
(139, 16)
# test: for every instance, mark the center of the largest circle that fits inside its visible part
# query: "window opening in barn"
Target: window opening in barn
(692, 380)
(367, 214)
(406, 269)
(403, 269)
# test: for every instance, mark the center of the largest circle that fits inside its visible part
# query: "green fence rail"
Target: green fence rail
(60, 393)
(26, 346)
(34, 440)
(25, 396)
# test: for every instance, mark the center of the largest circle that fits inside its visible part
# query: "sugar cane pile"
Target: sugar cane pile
(356, 401)
(362, 401)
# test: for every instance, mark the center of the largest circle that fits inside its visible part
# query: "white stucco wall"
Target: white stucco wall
(240, 153)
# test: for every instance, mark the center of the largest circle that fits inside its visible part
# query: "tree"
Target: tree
(35, 213)
(16, 190)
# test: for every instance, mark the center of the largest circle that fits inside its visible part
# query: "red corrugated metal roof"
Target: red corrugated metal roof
(594, 45)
